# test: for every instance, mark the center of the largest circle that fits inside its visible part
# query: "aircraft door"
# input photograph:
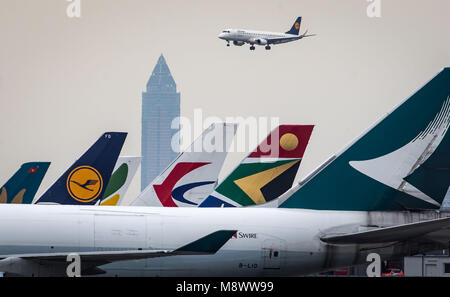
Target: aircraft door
(273, 253)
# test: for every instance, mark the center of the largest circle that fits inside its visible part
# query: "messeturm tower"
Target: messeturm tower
(160, 106)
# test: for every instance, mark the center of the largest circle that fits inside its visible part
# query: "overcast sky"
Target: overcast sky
(64, 81)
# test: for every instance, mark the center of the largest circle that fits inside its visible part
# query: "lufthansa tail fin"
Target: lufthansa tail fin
(267, 172)
(85, 181)
(23, 185)
(193, 174)
(401, 163)
(295, 29)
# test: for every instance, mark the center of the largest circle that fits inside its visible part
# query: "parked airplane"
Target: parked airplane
(189, 179)
(380, 194)
(120, 180)
(85, 181)
(239, 36)
(23, 185)
(265, 173)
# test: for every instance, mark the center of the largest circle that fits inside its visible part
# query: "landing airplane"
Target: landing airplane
(240, 36)
(381, 194)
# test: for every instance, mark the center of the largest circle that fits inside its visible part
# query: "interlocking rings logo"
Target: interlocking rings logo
(84, 184)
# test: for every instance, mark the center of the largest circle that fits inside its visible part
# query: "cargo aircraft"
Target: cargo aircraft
(380, 194)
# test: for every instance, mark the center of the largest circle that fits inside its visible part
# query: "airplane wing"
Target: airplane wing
(206, 245)
(390, 234)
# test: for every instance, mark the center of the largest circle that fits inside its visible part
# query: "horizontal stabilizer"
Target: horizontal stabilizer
(389, 234)
(208, 244)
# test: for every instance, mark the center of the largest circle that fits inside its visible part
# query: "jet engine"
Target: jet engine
(238, 43)
(261, 41)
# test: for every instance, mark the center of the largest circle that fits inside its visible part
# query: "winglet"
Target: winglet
(208, 244)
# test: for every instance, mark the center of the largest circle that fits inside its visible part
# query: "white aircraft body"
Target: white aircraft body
(379, 195)
(269, 241)
(240, 37)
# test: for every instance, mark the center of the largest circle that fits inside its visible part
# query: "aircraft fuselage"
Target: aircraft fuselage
(269, 241)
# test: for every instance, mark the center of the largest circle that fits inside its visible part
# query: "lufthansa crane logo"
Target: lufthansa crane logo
(297, 25)
(84, 184)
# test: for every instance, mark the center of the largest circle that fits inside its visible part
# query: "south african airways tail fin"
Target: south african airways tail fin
(23, 185)
(85, 181)
(267, 172)
(193, 174)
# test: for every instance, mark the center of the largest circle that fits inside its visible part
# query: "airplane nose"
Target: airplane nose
(221, 35)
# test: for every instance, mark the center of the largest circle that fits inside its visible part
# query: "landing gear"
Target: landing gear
(228, 43)
(252, 48)
(267, 47)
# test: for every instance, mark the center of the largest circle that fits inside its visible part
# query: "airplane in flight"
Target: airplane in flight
(240, 37)
(380, 194)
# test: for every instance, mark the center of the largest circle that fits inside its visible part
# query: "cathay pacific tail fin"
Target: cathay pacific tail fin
(401, 163)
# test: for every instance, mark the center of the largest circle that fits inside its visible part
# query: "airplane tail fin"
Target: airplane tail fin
(401, 163)
(295, 29)
(193, 174)
(23, 185)
(267, 172)
(85, 181)
(120, 180)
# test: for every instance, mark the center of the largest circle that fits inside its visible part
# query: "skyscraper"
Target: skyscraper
(160, 105)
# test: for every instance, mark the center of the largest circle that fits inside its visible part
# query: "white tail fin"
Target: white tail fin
(192, 176)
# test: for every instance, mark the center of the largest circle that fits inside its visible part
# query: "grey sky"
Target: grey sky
(65, 81)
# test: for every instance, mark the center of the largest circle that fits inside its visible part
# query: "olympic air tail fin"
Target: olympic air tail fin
(193, 174)
(401, 163)
(267, 172)
(120, 180)
(85, 181)
(23, 185)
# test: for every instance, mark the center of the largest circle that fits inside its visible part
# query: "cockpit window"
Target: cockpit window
(225, 31)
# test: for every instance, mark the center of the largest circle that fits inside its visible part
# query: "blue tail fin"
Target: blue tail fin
(401, 163)
(23, 185)
(85, 181)
(295, 27)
